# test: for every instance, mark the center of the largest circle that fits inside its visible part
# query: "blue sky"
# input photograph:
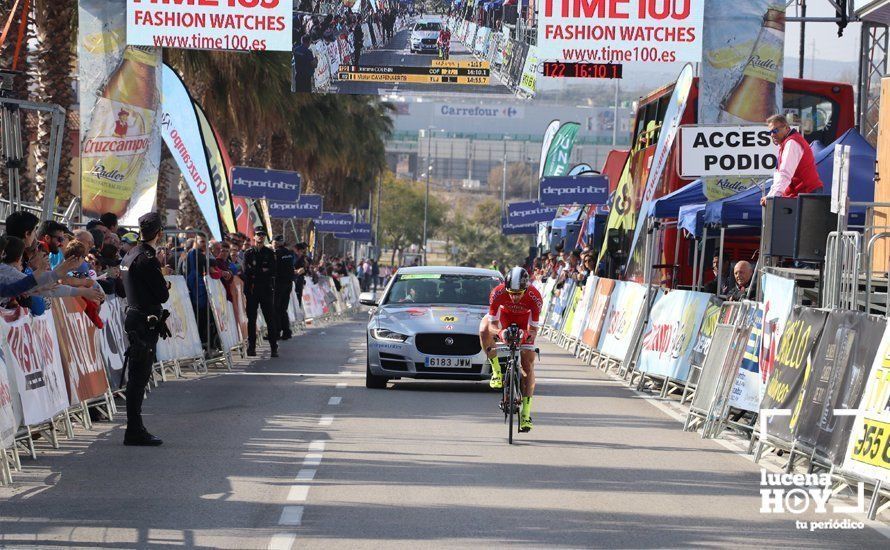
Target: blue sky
(827, 44)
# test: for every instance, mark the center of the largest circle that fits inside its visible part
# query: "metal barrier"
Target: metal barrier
(869, 272)
(842, 264)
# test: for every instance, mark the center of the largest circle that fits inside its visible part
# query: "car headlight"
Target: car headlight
(387, 335)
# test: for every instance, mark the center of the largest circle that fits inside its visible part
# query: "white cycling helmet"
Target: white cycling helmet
(516, 280)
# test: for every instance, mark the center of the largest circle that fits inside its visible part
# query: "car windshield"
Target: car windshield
(436, 288)
(427, 26)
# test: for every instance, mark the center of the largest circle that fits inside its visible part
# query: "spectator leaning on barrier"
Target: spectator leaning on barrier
(743, 273)
(16, 284)
(52, 235)
(147, 290)
(796, 172)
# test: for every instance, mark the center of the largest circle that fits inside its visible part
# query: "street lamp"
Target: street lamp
(426, 200)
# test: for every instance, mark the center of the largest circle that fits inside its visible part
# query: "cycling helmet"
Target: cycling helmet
(517, 280)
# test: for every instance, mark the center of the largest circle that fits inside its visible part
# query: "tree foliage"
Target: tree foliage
(477, 240)
(519, 179)
(401, 214)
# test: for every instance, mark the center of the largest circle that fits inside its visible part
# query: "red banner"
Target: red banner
(79, 345)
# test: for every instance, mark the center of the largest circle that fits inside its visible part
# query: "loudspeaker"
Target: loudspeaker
(613, 241)
(798, 227)
(571, 239)
(815, 221)
(555, 241)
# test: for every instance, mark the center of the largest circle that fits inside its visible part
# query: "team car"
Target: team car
(425, 36)
(426, 325)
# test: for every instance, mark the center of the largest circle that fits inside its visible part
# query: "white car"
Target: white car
(425, 36)
(426, 325)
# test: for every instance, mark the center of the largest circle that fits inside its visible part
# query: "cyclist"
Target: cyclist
(514, 301)
(444, 43)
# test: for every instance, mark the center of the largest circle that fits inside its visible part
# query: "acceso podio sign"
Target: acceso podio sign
(727, 151)
(242, 25)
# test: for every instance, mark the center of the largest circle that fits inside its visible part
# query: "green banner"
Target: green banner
(557, 161)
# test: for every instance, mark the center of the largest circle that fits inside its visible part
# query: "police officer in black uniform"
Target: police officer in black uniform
(259, 289)
(147, 290)
(284, 280)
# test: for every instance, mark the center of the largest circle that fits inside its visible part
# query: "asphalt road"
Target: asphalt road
(296, 453)
(397, 53)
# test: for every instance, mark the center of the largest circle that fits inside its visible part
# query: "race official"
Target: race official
(284, 280)
(796, 173)
(145, 322)
(259, 289)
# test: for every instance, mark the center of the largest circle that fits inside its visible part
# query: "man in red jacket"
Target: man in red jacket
(796, 173)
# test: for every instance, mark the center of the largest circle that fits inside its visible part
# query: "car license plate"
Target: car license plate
(449, 362)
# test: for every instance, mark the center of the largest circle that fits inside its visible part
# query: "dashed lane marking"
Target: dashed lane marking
(326, 420)
(282, 541)
(291, 515)
(340, 385)
(306, 474)
(334, 400)
(312, 459)
(298, 493)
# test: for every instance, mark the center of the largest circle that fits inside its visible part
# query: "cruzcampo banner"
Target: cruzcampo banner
(669, 127)
(868, 448)
(792, 366)
(218, 172)
(556, 163)
(119, 96)
(545, 146)
(741, 72)
(674, 322)
(843, 357)
(182, 134)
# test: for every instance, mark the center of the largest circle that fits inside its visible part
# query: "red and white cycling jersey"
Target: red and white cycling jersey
(524, 313)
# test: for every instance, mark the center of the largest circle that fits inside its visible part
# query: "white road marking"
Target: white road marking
(317, 446)
(306, 474)
(291, 515)
(340, 385)
(326, 420)
(282, 541)
(312, 459)
(352, 360)
(334, 400)
(298, 493)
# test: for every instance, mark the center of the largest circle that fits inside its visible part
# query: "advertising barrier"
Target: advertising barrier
(80, 349)
(239, 306)
(185, 340)
(223, 314)
(31, 353)
(778, 299)
(705, 333)
(113, 338)
(868, 450)
(793, 360)
(10, 408)
(747, 389)
(667, 342)
(583, 309)
(597, 316)
(626, 304)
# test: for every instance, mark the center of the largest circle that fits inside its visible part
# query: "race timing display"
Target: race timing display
(440, 72)
(582, 70)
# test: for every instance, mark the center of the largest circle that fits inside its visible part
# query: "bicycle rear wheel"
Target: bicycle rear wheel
(510, 401)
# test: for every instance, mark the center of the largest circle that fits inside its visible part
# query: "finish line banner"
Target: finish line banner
(621, 31)
(558, 190)
(309, 207)
(260, 183)
(242, 25)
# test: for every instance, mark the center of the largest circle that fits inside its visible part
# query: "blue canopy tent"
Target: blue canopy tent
(692, 218)
(669, 205)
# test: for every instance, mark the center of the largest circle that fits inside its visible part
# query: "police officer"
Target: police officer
(147, 290)
(284, 279)
(259, 289)
(301, 267)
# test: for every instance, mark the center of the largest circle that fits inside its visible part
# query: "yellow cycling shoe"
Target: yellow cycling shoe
(496, 382)
(525, 424)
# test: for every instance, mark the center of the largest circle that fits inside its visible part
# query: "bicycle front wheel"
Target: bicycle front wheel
(511, 401)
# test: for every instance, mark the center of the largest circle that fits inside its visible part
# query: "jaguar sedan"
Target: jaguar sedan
(426, 325)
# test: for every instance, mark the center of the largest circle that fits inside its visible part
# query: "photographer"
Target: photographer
(147, 290)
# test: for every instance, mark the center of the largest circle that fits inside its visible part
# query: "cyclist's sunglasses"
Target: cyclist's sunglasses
(516, 292)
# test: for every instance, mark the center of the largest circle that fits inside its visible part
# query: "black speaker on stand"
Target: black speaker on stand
(798, 227)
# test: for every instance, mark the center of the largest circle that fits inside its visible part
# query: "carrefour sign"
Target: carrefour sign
(479, 111)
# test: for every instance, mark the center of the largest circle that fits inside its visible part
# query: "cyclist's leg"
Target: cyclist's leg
(528, 388)
(487, 334)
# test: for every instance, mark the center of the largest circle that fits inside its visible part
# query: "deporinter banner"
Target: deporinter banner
(361, 232)
(80, 349)
(669, 128)
(625, 306)
(309, 207)
(674, 322)
(843, 357)
(597, 316)
(185, 340)
(262, 183)
(778, 299)
(508, 228)
(557, 190)
(793, 361)
(529, 213)
(545, 146)
(119, 96)
(746, 391)
(705, 333)
(556, 163)
(182, 134)
(741, 72)
(218, 172)
(35, 367)
(868, 449)
(334, 222)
